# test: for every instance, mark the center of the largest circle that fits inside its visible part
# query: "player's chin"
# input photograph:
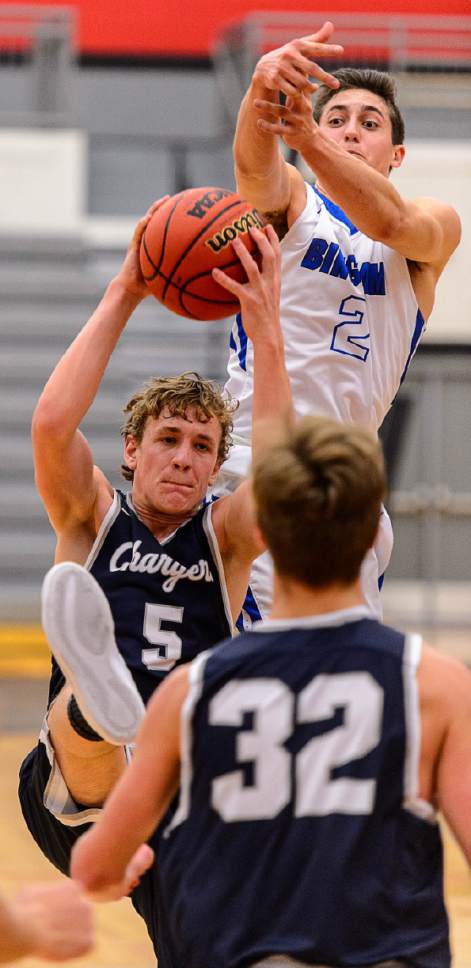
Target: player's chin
(178, 499)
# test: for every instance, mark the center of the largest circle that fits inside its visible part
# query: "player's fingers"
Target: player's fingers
(302, 64)
(305, 66)
(296, 103)
(298, 75)
(295, 100)
(155, 207)
(320, 36)
(269, 109)
(324, 77)
(276, 110)
(263, 244)
(227, 282)
(290, 87)
(244, 256)
(143, 222)
(322, 33)
(273, 239)
(271, 127)
(143, 858)
(291, 75)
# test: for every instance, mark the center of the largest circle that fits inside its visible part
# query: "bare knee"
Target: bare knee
(90, 768)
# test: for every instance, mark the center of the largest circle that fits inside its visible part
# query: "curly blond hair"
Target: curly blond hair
(178, 395)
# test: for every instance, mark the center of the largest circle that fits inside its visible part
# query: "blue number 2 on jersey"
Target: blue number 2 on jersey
(350, 336)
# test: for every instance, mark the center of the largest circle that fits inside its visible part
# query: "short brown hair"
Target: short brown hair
(178, 395)
(318, 490)
(370, 80)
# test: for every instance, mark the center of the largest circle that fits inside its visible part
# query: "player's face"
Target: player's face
(175, 462)
(359, 121)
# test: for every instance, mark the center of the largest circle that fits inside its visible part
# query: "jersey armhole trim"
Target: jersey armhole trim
(410, 663)
(108, 520)
(210, 533)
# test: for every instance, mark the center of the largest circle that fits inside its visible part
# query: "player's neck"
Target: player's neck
(160, 523)
(322, 191)
(291, 599)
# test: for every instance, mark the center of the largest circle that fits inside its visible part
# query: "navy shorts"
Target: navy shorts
(41, 783)
(54, 838)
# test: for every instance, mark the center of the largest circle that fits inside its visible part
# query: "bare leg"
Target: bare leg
(90, 769)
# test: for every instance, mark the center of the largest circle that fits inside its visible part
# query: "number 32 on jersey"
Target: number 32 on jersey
(272, 704)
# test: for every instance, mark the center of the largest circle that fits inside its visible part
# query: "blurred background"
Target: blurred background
(106, 105)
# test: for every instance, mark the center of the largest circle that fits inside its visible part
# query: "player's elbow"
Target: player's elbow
(390, 228)
(46, 422)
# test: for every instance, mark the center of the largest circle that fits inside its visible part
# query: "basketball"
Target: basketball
(186, 238)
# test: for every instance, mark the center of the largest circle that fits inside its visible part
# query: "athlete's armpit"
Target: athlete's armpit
(279, 220)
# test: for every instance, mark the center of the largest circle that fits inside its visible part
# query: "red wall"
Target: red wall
(188, 26)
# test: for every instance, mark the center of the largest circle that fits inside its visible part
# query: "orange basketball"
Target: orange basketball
(186, 238)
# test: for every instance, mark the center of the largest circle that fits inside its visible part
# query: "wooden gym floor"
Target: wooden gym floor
(122, 938)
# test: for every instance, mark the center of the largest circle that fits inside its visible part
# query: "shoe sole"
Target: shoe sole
(79, 626)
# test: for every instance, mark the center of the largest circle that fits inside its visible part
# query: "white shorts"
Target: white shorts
(232, 473)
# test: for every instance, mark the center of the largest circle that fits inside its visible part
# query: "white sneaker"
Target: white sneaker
(79, 626)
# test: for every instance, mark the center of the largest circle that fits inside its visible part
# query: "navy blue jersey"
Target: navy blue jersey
(299, 829)
(168, 598)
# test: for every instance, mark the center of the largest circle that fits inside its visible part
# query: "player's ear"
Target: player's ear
(130, 451)
(397, 156)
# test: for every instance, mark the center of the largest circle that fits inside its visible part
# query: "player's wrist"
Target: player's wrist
(129, 296)
(260, 88)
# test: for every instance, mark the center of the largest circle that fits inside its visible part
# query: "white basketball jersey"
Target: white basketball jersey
(349, 317)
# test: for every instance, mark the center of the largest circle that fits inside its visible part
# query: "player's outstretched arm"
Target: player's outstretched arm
(262, 175)
(109, 860)
(52, 921)
(63, 460)
(259, 298)
(425, 230)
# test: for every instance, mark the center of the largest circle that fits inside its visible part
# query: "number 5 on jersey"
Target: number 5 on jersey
(168, 644)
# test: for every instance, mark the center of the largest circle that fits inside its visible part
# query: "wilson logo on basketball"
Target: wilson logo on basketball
(239, 227)
(207, 201)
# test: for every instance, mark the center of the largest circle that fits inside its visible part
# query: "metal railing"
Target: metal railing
(39, 41)
(394, 42)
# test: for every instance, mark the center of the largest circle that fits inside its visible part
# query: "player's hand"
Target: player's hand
(138, 865)
(259, 297)
(289, 68)
(142, 859)
(57, 919)
(292, 121)
(130, 275)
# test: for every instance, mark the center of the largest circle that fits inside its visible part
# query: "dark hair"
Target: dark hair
(178, 395)
(369, 80)
(318, 489)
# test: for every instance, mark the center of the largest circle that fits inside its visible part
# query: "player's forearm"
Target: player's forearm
(96, 866)
(366, 196)
(74, 383)
(259, 164)
(272, 398)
